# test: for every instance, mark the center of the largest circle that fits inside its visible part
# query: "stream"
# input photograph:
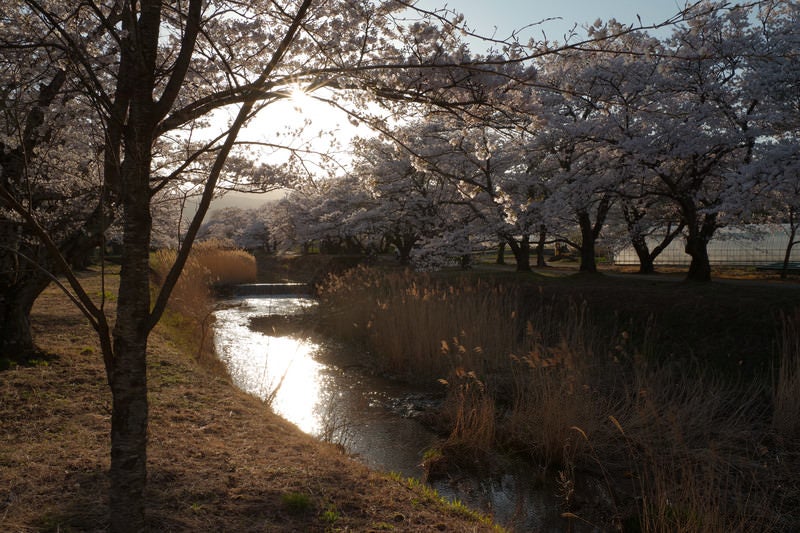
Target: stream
(372, 418)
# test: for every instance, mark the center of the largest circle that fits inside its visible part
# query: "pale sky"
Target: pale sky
(507, 15)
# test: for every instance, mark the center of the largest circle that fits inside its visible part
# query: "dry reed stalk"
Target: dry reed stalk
(405, 318)
(689, 440)
(786, 390)
(471, 410)
(225, 266)
(680, 441)
(191, 302)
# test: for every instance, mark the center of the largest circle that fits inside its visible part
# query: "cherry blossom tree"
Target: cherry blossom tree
(237, 228)
(154, 70)
(580, 180)
(621, 81)
(698, 125)
(48, 166)
(773, 77)
(407, 204)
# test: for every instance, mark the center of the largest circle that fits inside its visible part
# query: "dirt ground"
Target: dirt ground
(218, 460)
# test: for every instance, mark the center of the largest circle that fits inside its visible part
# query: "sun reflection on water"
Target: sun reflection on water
(281, 370)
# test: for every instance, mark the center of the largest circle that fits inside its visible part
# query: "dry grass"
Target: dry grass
(416, 326)
(634, 439)
(786, 395)
(471, 412)
(191, 303)
(218, 460)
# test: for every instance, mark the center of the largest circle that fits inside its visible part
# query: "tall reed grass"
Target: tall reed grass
(786, 397)
(669, 448)
(191, 302)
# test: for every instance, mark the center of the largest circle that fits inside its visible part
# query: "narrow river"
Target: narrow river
(372, 418)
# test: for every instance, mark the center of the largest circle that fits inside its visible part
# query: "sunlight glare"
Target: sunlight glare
(300, 99)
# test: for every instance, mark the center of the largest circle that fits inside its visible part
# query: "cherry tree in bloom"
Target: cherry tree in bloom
(407, 204)
(697, 126)
(773, 177)
(580, 178)
(50, 170)
(154, 73)
(621, 80)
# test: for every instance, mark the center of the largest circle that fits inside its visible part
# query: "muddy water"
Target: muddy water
(372, 418)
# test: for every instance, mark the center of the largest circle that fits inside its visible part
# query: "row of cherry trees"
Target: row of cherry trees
(113, 109)
(637, 138)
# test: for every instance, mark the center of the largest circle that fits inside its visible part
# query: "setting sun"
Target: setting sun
(300, 99)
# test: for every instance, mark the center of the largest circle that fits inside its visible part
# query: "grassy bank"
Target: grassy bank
(654, 406)
(219, 460)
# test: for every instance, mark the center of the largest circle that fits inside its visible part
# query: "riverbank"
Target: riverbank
(219, 460)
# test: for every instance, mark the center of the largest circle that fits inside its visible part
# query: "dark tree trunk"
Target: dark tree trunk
(699, 234)
(21, 282)
(590, 232)
(16, 340)
(646, 261)
(588, 256)
(403, 244)
(700, 266)
(540, 262)
(633, 217)
(787, 256)
(129, 371)
(500, 259)
(522, 252)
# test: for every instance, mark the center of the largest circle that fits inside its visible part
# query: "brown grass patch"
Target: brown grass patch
(219, 460)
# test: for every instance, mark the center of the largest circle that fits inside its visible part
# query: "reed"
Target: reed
(417, 326)
(672, 448)
(189, 312)
(786, 391)
(470, 409)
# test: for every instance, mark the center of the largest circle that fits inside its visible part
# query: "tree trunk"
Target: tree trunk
(793, 224)
(788, 255)
(700, 266)
(591, 232)
(129, 373)
(16, 341)
(540, 262)
(522, 252)
(646, 260)
(403, 244)
(128, 431)
(700, 233)
(500, 259)
(588, 256)
(20, 284)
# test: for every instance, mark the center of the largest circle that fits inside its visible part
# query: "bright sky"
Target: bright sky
(498, 18)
